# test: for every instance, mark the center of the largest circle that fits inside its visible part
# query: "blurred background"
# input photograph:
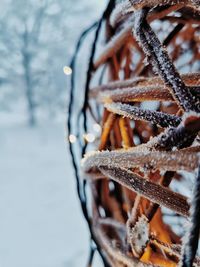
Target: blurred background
(41, 223)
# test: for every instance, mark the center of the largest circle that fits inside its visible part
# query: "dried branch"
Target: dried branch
(149, 190)
(191, 240)
(156, 117)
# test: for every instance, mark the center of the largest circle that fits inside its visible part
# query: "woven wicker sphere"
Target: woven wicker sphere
(136, 155)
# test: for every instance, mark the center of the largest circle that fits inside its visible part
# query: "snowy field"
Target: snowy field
(41, 223)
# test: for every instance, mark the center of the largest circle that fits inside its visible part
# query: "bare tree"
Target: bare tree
(34, 37)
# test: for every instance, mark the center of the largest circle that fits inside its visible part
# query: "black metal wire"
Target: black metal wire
(71, 102)
(80, 193)
(81, 186)
(106, 14)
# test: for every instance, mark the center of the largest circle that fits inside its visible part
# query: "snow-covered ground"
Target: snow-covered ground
(41, 224)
